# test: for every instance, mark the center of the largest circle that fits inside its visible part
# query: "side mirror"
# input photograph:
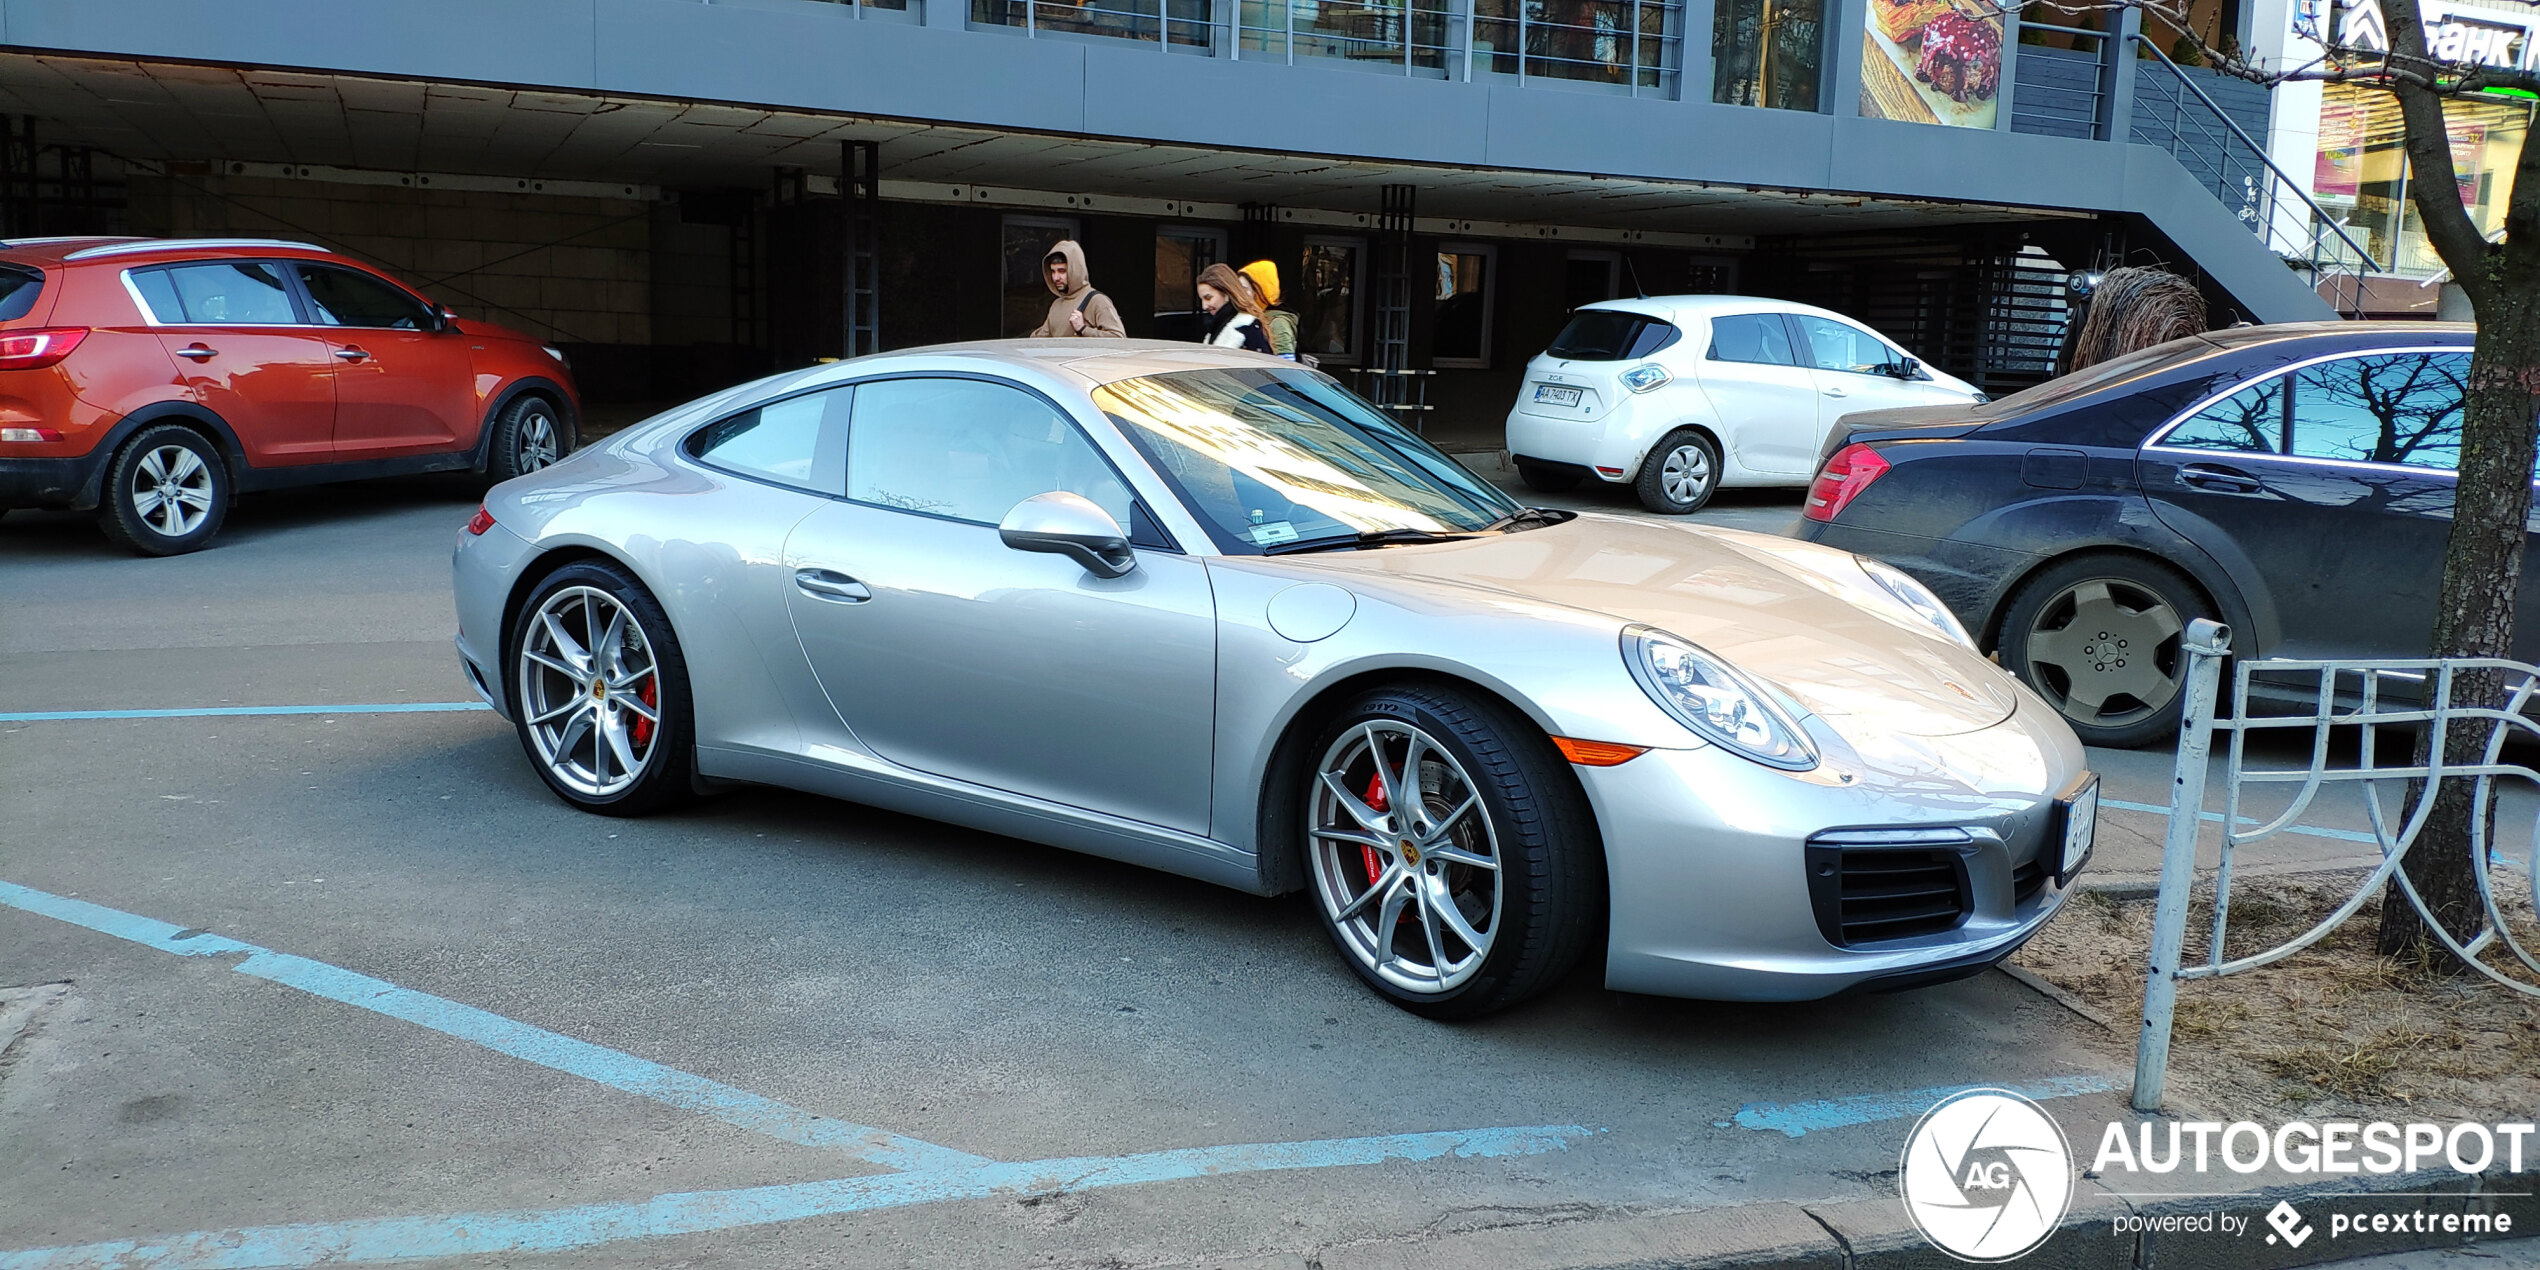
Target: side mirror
(1906, 368)
(1070, 525)
(449, 319)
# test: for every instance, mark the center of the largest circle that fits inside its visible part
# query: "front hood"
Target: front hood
(1802, 617)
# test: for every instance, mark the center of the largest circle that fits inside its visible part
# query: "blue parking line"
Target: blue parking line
(694, 1212)
(213, 712)
(1795, 1119)
(600, 1064)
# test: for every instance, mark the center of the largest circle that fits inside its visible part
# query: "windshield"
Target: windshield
(1266, 458)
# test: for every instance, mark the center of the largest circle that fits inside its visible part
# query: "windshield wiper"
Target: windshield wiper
(1371, 538)
(1529, 518)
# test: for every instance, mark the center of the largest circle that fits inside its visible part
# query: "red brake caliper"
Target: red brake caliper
(643, 726)
(1375, 801)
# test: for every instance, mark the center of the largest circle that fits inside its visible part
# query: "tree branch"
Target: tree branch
(2434, 185)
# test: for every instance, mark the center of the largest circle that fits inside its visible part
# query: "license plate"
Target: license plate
(2081, 822)
(1555, 395)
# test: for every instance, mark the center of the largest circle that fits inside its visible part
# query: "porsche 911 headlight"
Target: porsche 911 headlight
(1723, 706)
(1915, 596)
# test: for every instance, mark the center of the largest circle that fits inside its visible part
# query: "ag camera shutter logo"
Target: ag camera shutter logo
(1987, 1175)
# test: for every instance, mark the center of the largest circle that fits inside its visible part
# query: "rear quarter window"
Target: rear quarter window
(19, 288)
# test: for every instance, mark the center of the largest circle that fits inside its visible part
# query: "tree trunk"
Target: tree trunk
(2474, 614)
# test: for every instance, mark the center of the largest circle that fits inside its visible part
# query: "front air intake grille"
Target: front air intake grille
(1867, 895)
(2027, 880)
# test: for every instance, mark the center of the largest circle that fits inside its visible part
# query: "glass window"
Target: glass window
(1842, 346)
(1611, 335)
(1751, 337)
(782, 440)
(1326, 302)
(346, 298)
(19, 286)
(1179, 256)
(2250, 420)
(1267, 458)
(2361, 175)
(2402, 408)
(1024, 241)
(158, 294)
(239, 293)
(1461, 336)
(1768, 53)
(969, 450)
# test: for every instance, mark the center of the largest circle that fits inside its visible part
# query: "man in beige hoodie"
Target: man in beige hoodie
(1079, 310)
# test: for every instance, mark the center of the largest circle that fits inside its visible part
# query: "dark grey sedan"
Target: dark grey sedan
(2294, 482)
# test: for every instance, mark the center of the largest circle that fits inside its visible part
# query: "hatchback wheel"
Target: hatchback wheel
(1680, 474)
(530, 435)
(1452, 857)
(166, 493)
(600, 692)
(2099, 638)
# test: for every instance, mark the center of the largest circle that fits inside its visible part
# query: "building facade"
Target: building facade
(685, 193)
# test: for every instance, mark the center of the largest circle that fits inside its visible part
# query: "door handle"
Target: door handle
(828, 584)
(2221, 480)
(351, 354)
(1837, 392)
(198, 352)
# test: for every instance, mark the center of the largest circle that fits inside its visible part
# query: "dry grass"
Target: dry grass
(2335, 1028)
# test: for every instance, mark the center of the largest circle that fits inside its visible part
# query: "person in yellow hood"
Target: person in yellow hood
(1079, 310)
(1264, 277)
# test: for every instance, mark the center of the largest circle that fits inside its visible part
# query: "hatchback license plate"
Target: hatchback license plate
(2081, 823)
(1555, 395)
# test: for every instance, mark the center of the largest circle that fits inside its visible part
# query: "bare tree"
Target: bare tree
(2500, 277)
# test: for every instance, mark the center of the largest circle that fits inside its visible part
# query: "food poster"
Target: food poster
(1932, 61)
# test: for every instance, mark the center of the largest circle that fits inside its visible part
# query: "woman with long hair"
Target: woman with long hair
(1234, 311)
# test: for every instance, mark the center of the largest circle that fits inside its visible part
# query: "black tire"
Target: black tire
(530, 434)
(667, 747)
(1550, 892)
(1680, 474)
(1548, 480)
(2099, 637)
(166, 492)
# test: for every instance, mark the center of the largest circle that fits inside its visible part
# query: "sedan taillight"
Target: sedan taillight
(35, 350)
(1841, 480)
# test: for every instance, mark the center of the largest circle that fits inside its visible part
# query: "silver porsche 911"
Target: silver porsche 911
(1206, 611)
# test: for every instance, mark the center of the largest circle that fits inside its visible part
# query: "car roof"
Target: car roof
(1684, 308)
(1091, 362)
(75, 250)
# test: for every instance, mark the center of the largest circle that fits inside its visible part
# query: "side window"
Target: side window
(343, 297)
(970, 450)
(1751, 337)
(1840, 346)
(238, 293)
(795, 441)
(2250, 421)
(2401, 408)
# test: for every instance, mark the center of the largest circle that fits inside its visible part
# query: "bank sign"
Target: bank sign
(2453, 33)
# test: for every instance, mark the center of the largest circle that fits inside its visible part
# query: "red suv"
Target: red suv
(155, 379)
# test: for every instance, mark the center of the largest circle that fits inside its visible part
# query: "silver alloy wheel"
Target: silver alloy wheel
(172, 490)
(590, 691)
(534, 444)
(1406, 863)
(1686, 473)
(2105, 649)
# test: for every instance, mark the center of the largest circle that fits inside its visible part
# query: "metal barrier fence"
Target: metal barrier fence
(2344, 694)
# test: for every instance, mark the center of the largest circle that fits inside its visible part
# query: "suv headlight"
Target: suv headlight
(1721, 705)
(1644, 378)
(1915, 596)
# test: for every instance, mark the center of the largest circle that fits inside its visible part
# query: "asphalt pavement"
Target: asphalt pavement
(350, 984)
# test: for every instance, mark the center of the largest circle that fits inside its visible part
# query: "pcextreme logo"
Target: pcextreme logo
(1987, 1175)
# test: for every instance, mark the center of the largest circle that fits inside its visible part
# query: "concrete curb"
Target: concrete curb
(1876, 1234)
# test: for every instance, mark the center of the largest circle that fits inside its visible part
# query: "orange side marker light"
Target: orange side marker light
(1596, 753)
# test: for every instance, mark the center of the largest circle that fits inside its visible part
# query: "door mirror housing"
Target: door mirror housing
(1070, 525)
(449, 318)
(1905, 368)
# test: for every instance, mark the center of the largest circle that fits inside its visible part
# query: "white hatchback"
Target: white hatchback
(1679, 395)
